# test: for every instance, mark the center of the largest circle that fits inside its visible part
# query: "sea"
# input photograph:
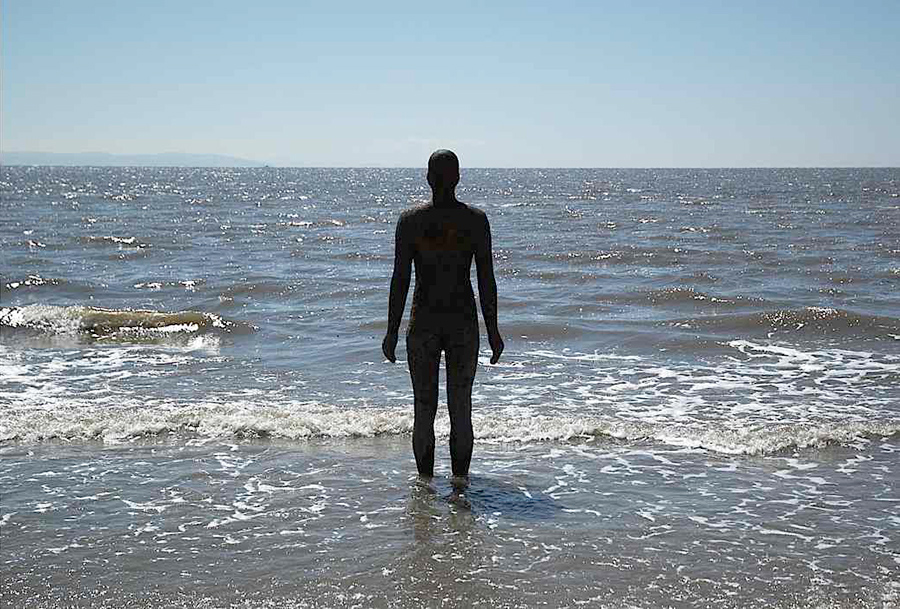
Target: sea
(698, 404)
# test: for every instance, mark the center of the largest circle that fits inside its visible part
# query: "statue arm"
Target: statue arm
(487, 290)
(399, 287)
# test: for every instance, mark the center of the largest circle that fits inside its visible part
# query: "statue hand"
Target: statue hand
(389, 346)
(496, 346)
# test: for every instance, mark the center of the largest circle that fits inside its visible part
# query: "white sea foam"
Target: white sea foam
(819, 398)
(82, 420)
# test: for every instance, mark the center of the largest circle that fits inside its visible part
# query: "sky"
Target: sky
(503, 83)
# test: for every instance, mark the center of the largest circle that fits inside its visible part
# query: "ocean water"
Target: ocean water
(698, 405)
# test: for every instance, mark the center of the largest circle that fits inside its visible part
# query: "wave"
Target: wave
(32, 281)
(99, 323)
(259, 286)
(85, 421)
(111, 240)
(322, 223)
(810, 320)
(600, 258)
(682, 295)
(185, 284)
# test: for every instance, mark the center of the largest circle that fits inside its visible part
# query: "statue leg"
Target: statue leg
(461, 362)
(423, 354)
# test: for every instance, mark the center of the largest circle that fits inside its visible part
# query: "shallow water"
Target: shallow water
(322, 521)
(699, 402)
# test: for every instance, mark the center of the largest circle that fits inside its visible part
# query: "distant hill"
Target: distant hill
(104, 159)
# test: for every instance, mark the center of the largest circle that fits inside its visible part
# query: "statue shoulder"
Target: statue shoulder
(413, 213)
(479, 217)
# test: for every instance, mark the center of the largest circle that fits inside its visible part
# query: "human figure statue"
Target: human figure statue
(442, 238)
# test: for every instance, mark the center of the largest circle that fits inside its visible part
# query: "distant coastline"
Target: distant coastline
(105, 159)
(185, 159)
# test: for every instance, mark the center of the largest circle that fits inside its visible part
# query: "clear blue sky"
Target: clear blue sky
(504, 83)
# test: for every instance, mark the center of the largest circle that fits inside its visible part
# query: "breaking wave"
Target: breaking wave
(83, 421)
(683, 295)
(123, 324)
(810, 320)
(111, 240)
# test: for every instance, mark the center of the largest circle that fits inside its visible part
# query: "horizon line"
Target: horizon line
(248, 163)
(238, 162)
(462, 168)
